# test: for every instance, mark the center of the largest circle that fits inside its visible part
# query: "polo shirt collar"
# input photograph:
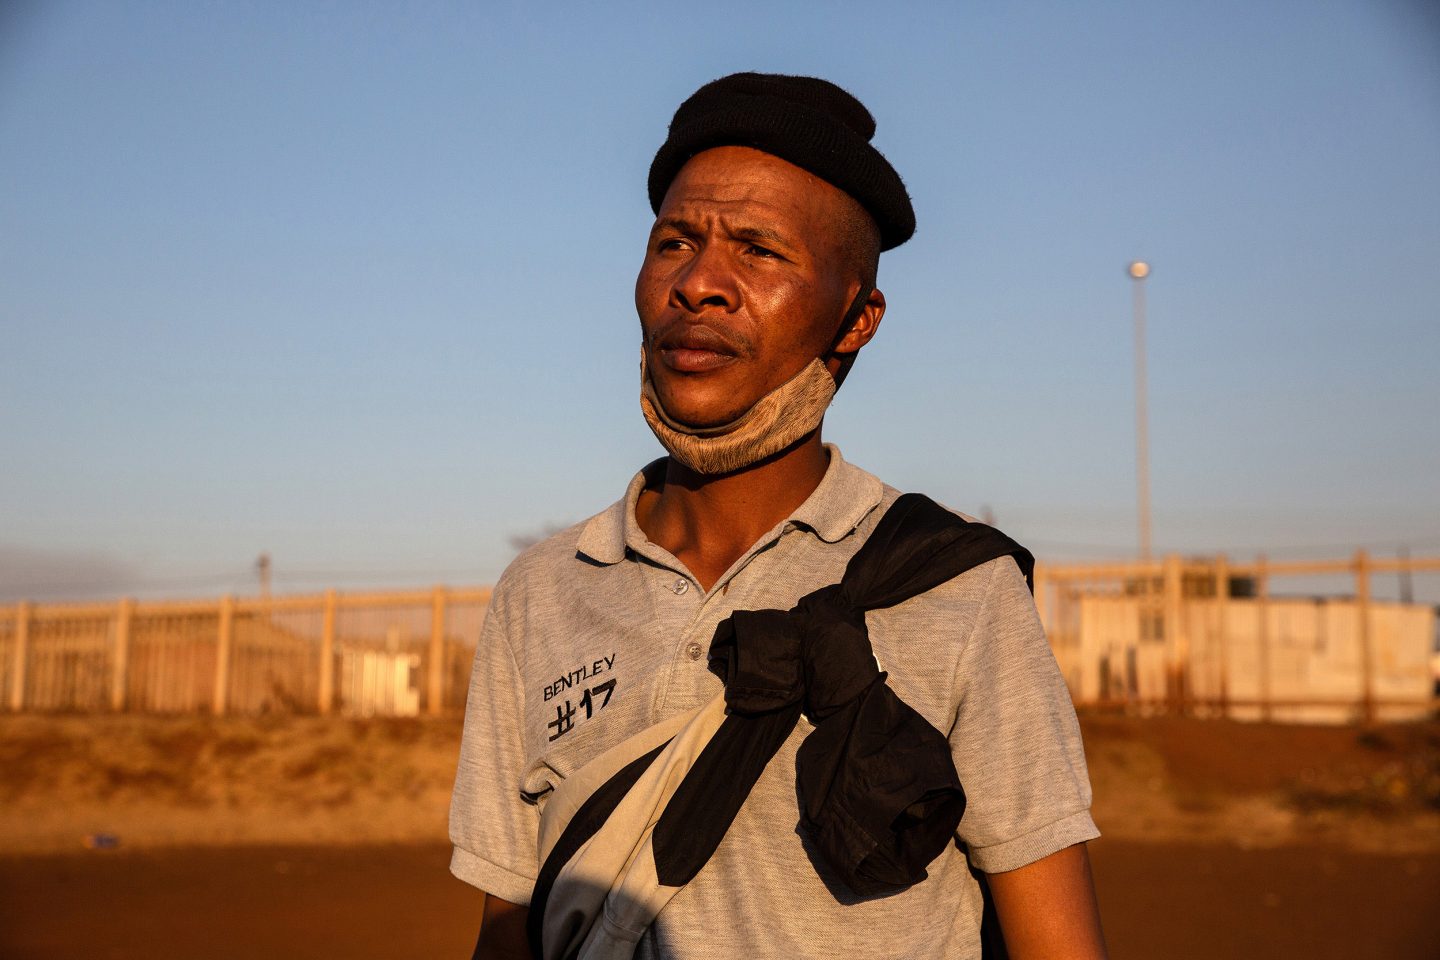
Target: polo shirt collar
(845, 496)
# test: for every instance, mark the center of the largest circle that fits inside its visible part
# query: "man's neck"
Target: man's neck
(709, 522)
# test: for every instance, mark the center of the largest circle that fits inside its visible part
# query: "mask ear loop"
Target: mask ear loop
(847, 360)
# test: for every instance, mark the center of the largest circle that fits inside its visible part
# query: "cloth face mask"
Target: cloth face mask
(778, 419)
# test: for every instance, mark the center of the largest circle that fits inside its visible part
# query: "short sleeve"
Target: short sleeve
(1016, 743)
(493, 829)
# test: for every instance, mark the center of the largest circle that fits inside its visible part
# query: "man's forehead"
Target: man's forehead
(742, 177)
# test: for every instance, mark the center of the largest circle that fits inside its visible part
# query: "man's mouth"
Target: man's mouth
(692, 360)
(694, 349)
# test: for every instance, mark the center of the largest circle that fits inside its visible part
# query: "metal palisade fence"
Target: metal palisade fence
(390, 653)
(1300, 641)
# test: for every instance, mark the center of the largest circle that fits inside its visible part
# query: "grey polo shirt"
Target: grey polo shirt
(597, 633)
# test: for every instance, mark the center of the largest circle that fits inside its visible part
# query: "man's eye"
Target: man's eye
(670, 244)
(756, 250)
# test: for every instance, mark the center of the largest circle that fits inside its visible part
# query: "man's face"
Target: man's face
(744, 282)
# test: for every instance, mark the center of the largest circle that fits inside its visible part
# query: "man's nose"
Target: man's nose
(707, 280)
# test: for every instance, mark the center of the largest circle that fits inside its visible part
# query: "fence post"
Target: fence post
(1222, 604)
(1176, 649)
(120, 668)
(327, 655)
(1362, 605)
(17, 666)
(437, 651)
(1262, 636)
(222, 654)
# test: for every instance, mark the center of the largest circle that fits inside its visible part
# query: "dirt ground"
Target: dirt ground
(307, 837)
(1177, 901)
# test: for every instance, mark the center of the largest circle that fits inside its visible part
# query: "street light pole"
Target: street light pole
(1138, 271)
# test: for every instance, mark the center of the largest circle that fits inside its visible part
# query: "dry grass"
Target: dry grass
(185, 780)
(277, 779)
(1253, 784)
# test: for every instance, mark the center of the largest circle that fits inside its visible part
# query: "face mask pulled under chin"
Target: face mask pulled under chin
(777, 420)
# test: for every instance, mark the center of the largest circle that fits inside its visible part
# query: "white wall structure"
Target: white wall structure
(380, 683)
(1302, 656)
(1205, 637)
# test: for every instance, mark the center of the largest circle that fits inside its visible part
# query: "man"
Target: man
(756, 292)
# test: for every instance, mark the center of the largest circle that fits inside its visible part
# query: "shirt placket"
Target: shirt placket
(687, 682)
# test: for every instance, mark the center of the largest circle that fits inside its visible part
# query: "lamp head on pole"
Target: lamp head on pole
(1139, 270)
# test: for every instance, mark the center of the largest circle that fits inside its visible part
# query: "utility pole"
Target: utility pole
(1407, 587)
(262, 566)
(1138, 271)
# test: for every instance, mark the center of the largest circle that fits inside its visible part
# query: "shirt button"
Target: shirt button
(680, 586)
(692, 650)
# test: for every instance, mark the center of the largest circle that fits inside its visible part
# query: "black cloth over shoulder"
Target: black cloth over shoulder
(879, 793)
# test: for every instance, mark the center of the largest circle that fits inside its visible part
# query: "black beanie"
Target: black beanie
(807, 121)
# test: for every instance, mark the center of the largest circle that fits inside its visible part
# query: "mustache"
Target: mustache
(682, 334)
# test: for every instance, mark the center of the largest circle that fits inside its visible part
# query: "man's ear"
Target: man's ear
(865, 324)
(862, 329)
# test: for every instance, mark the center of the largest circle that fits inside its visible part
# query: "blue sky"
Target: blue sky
(351, 283)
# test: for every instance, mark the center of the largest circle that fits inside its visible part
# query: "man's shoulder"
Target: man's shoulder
(557, 546)
(547, 557)
(1001, 572)
(889, 494)
(855, 477)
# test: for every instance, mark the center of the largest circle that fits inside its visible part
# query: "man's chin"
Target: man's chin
(702, 413)
(702, 422)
